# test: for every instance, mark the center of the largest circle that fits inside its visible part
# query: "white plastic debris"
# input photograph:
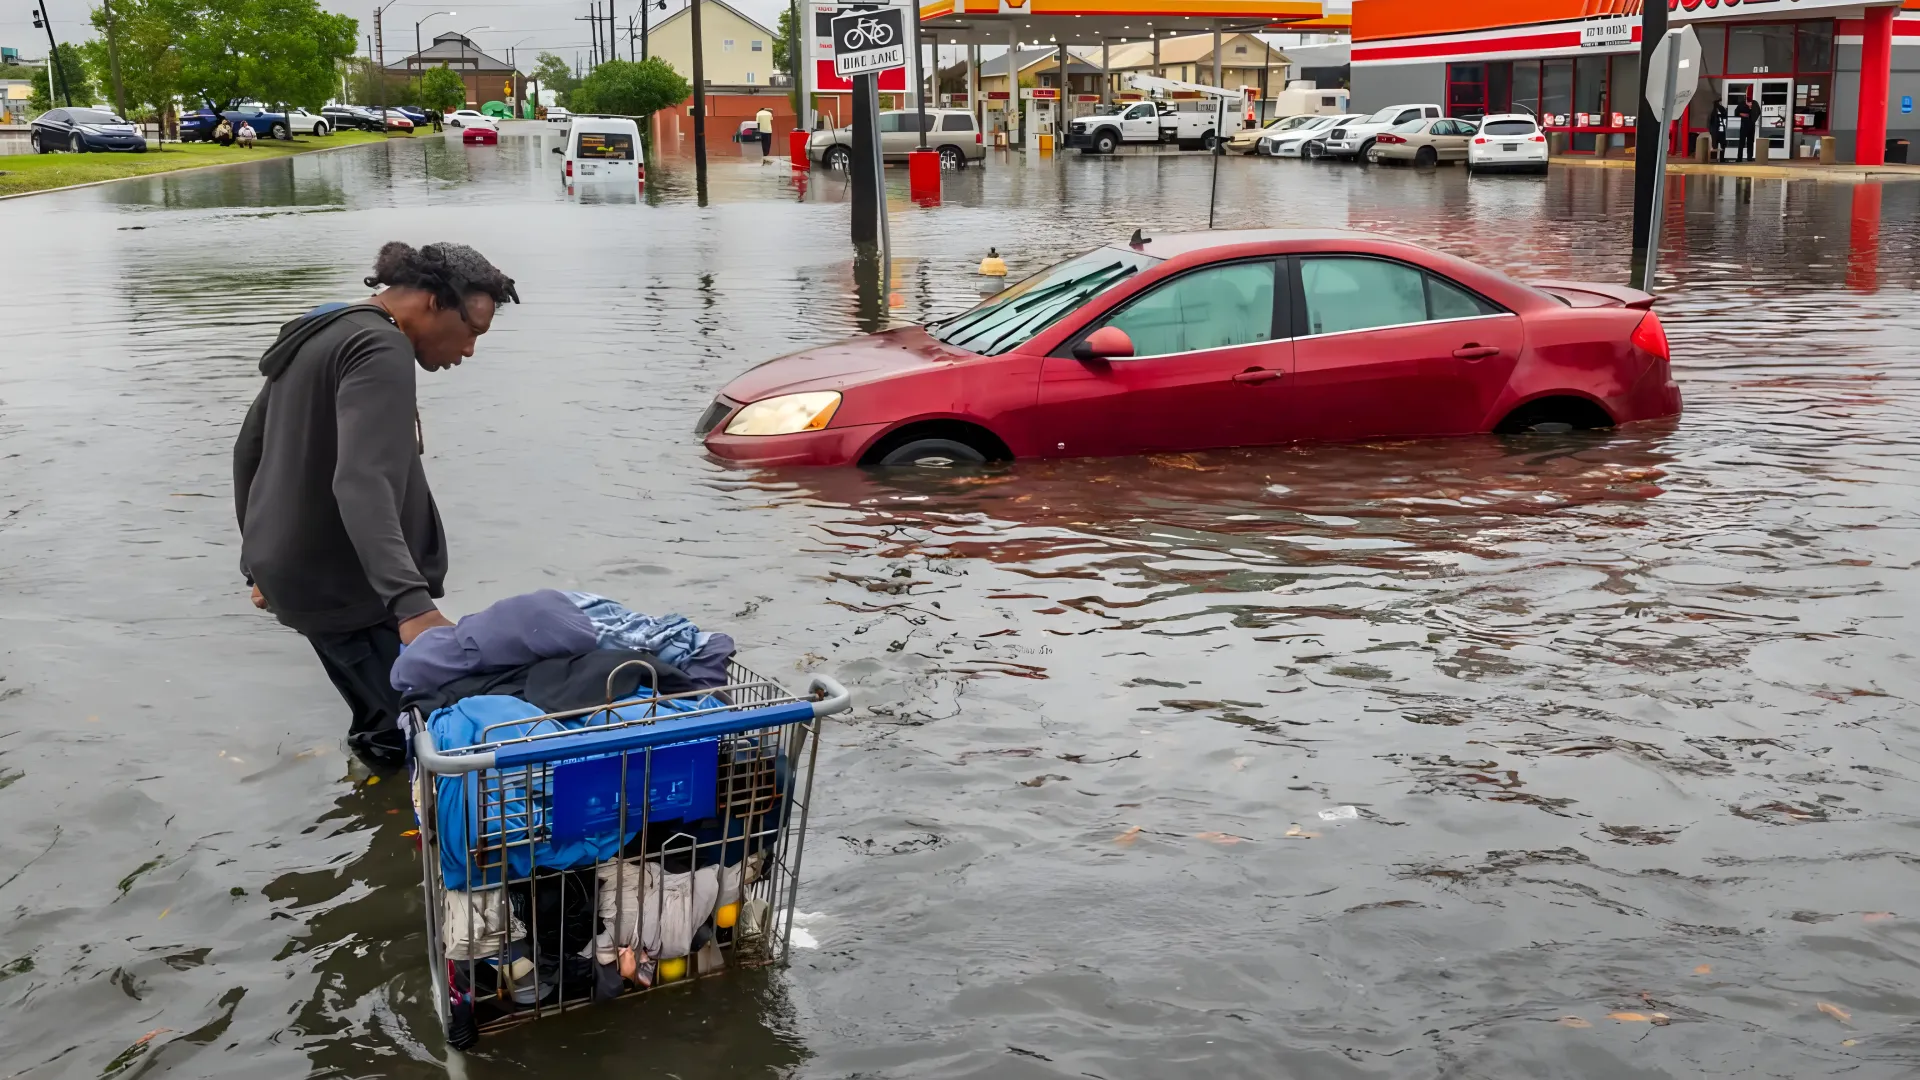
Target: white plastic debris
(1340, 813)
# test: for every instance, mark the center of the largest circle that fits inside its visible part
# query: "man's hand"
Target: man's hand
(420, 624)
(259, 598)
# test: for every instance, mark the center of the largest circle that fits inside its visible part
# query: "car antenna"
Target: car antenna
(1139, 239)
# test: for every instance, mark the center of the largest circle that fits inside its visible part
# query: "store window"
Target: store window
(1589, 100)
(1526, 86)
(1556, 91)
(1467, 90)
(1759, 49)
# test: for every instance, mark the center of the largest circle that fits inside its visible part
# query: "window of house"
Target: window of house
(749, 78)
(1240, 50)
(726, 45)
(1207, 309)
(758, 46)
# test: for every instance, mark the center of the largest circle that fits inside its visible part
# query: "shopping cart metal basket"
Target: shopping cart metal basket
(583, 856)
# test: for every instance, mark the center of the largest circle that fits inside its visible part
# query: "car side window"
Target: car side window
(956, 122)
(1445, 300)
(890, 122)
(1409, 114)
(1206, 309)
(57, 116)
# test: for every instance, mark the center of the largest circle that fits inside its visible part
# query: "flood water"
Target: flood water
(1629, 720)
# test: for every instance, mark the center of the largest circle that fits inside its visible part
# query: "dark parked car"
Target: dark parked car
(197, 126)
(81, 130)
(352, 118)
(418, 116)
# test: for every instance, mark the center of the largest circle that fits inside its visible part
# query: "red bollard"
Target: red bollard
(923, 177)
(797, 149)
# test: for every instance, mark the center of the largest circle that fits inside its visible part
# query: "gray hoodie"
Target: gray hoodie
(337, 526)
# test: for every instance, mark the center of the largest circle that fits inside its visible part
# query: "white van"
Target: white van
(602, 150)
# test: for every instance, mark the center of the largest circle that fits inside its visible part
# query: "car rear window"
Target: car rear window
(606, 145)
(1508, 127)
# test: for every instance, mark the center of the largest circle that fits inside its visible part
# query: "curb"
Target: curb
(188, 169)
(1842, 174)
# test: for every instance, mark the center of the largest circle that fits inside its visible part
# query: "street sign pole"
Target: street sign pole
(880, 192)
(1670, 86)
(866, 43)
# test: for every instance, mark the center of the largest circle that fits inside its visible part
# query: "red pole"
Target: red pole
(1876, 63)
(1863, 239)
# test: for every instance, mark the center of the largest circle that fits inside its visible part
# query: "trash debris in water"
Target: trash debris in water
(1340, 813)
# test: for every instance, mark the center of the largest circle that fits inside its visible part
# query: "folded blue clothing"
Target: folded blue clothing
(673, 638)
(517, 807)
(512, 632)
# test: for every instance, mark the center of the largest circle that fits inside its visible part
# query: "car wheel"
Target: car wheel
(76, 144)
(951, 158)
(933, 454)
(1209, 141)
(1315, 151)
(1542, 170)
(279, 131)
(1105, 143)
(320, 128)
(1426, 157)
(1366, 152)
(838, 158)
(33, 139)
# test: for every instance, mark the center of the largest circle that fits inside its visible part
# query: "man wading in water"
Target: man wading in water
(340, 538)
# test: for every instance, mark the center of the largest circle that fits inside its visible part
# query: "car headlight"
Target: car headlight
(786, 414)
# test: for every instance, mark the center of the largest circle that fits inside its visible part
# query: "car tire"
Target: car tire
(838, 158)
(1315, 151)
(1426, 157)
(33, 140)
(1209, 142)
(320, 128)
(1105, 143)
(1366, 152)
(952, 158)
(932, 454)
(76, 144)
(1542, 170)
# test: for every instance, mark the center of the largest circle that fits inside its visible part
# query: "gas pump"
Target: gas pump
(1040, 103)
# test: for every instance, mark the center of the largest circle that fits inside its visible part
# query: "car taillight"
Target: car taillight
(1651, 337)
(1538, 138)
(1390, 139)
(1479, 142)
(569, 168)
(978, 139)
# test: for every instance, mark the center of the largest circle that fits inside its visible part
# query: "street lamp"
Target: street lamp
(463, 60)
(416, 34)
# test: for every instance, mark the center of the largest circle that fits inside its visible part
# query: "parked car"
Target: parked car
(463, 117)
(1508, 142)
(1206, 340)
(352, 118)
(1425, 142)
(396, 120)
(417, 117)
(197, 126)
(602, 150)
(557, 114)
(299, 121)
(1247, 140)
(950, 131)
(1307, 140)
(81, 130)
(1353, 142)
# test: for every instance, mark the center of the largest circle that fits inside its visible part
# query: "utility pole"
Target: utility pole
(1648, 133)
(56, 71)
(380, 64)
(699, 106)
(113, 58)
(613, 46)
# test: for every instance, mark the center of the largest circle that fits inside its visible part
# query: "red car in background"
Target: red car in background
(1212, 340)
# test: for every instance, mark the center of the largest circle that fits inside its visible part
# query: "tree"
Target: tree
(783, 41)
(149, 33)
(439, 89)
(552, 73)
(629, 88)
(278, 51)
(73, 82)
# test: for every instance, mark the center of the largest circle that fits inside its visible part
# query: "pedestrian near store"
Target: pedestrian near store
(1749, 113)
(1717, 125)
(340, 537)
(763, 121)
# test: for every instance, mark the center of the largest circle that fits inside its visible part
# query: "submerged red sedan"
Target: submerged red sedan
(1211, 340)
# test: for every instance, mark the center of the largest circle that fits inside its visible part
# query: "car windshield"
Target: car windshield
(1016, 315)
(1383, 115)
(93, 116)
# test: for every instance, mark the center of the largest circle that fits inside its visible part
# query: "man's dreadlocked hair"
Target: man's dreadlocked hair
(451, 272)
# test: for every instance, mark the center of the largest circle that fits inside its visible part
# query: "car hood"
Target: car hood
(845, 364)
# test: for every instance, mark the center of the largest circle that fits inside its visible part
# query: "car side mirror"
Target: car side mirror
(559, 150)
(1106, 343)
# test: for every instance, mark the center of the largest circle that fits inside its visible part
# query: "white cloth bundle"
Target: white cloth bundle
(478, 924)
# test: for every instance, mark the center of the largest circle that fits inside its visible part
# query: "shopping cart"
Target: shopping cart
(595, 854)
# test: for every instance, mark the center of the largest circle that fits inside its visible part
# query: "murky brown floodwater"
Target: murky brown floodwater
(1630, 720)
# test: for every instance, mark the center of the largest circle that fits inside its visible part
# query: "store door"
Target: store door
(1774, 136)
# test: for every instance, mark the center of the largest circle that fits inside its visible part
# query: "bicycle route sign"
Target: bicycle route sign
(869, 42)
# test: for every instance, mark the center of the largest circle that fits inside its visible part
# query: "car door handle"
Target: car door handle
(1476, 352)
(1256, 376)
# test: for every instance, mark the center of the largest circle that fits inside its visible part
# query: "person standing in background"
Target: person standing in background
(1717, 125)
(763, 121)
(1749, 113)
(340, 537)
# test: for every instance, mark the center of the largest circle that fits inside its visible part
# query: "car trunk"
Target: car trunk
(1592, 294)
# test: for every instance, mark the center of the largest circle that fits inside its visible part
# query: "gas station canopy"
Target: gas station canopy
(1114, 22)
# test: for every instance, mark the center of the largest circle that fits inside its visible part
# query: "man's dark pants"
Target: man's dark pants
(766, 144)
(360, 663)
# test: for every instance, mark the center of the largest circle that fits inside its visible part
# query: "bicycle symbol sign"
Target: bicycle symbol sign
(867, 42)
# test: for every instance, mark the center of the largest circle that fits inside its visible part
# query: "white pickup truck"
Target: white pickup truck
(1189, 123)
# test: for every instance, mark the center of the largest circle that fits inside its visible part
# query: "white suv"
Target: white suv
(1508, 142)
(1353, 141)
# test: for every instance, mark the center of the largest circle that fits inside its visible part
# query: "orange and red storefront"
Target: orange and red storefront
(1845, 68)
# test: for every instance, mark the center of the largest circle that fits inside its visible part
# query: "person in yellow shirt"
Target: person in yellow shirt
(763, 121)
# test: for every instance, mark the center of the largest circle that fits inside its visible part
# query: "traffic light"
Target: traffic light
(38, 24)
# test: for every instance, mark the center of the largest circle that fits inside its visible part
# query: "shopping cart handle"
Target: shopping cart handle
(441, 764)
(838, 698)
